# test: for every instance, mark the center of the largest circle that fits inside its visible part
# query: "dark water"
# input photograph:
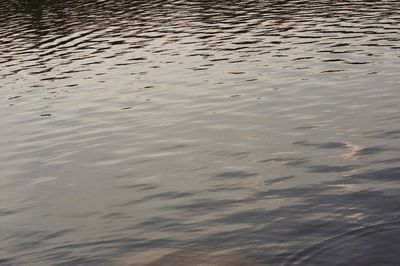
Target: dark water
(199, 132)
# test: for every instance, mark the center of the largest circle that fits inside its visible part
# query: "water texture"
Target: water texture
(199, 132)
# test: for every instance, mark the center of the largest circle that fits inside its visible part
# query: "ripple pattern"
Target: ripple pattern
(151, 132)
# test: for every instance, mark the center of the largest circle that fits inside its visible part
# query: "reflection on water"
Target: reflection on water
(199, 132)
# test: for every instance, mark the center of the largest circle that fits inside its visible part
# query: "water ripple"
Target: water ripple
(152, 132)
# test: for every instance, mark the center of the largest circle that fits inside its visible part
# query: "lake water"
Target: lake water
(199, 132)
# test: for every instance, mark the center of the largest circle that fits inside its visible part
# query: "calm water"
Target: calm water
(188, 132)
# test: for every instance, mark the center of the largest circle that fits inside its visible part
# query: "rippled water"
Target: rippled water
(199, 132)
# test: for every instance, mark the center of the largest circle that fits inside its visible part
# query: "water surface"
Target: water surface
(188, 132)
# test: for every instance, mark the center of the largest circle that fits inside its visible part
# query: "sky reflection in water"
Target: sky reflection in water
(189, 132)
